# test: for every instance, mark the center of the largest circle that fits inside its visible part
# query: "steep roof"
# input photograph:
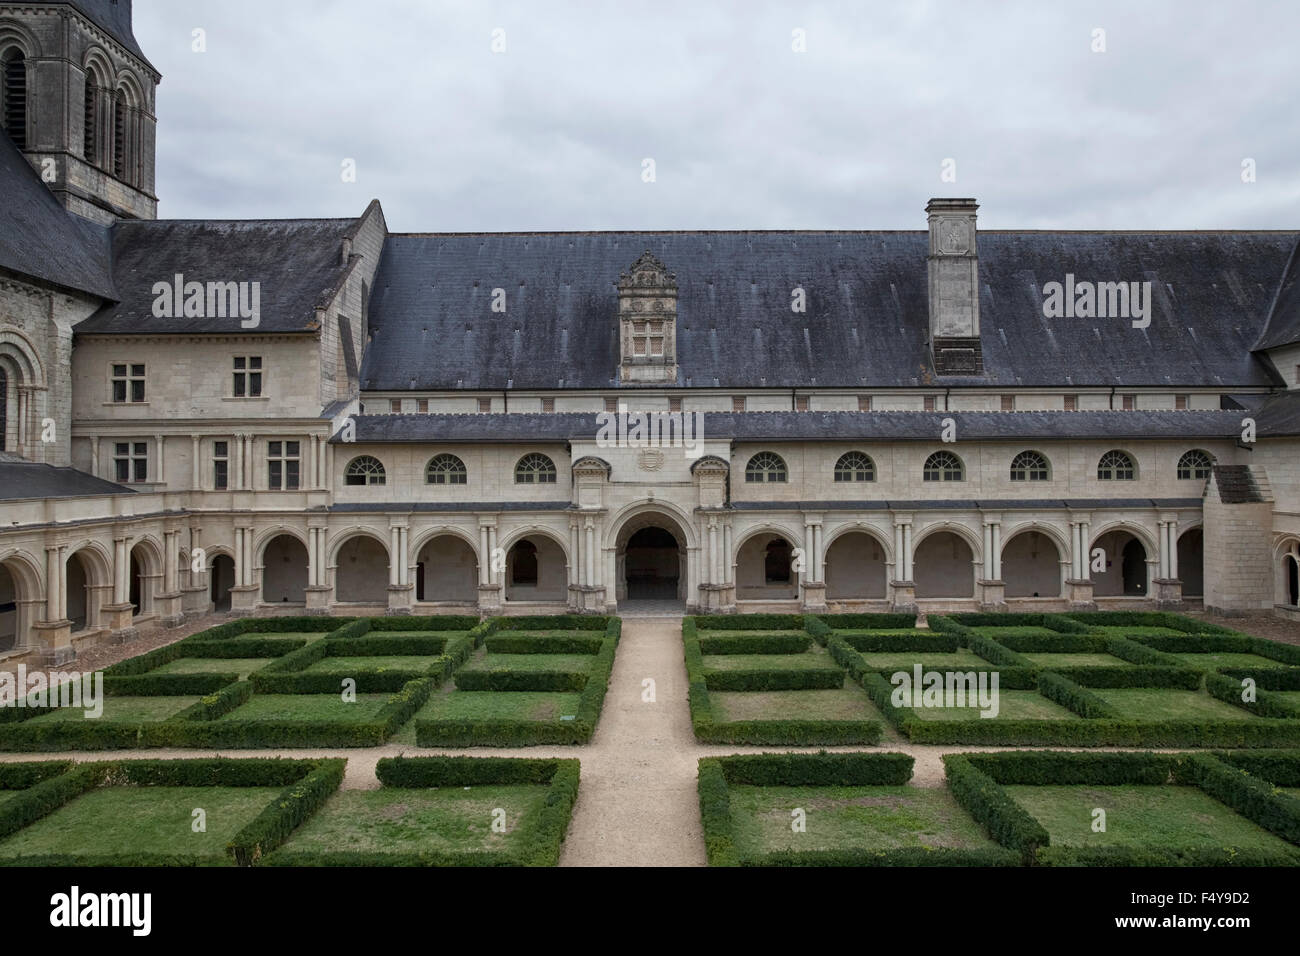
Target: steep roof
(298, 263)
(1283, 326)
(24, 479)
(866, 323)
(42, 240)
(111, 16)
(524, 427)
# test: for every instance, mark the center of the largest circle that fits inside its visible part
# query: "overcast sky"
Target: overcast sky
(744, 132)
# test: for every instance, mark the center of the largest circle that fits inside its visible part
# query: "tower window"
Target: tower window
(89, 148)
(15, 96)
(119, 136)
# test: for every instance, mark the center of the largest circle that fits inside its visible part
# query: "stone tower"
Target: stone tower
(77, 97)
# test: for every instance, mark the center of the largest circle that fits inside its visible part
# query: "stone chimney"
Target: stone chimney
(954, 276)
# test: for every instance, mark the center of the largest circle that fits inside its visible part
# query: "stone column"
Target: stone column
(244, 595)
(1168, 588)
(992, 588)
(728, 558)
(159, 442)
(814, 588)
(1079, 585)
(196, 596)
(492, 589)
(55, 632)
(94, 456)
(237, 469)
(196, 469)
(400, 591)
(319, 593)
(903, 587)
(168, 604)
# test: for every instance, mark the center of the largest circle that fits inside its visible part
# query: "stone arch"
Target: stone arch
(853, 571)
(1027, 574)
(1191, 560)
(1128, 569)
(88, 580)
(264, 538)
(447, 566)
(549, 578)
(220, 573)
(145, 574)
(760, 561)
(652, 572)
(14, 34)
(360, 561)
(938, 573)
(21, 598)
(22, 379)
(283, 560)
(1287, 562)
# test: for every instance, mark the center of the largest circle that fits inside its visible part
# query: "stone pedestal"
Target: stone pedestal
(55, 642)
(243, 599)
(1169, 594)
(489, 599)
(195, 601)
(716, 599)
(400, 599)
(1079, 594)
(814, 598)
(168, 606)
(118, 618)
(587, 600)
(319, 598)
(903, 599)
(993, 595)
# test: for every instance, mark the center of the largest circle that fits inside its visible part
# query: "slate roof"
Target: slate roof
(111, 16)
(39, 239)
(813, 426)
(1279, 415)
(299, 263)
(1236, 485)
(867, 319)
(24, 479)
(1284, 321)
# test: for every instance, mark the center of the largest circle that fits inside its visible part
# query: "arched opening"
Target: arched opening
(1293, 580)
(536, 570)
(1031, 566)
(9, 610)
(13, 92)
(81, 581)
(652, 565)
(764, 569)
(446, 570)
(944, 567)
(855, 568)
(361, 575)
(284, 571)
(1191, 562)
(4, 409)
(1126, 566)
(221, 580)
(145, 573)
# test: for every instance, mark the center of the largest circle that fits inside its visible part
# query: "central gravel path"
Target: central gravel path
(637, 804)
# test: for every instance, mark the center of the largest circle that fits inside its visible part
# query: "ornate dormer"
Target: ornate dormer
(647, 313)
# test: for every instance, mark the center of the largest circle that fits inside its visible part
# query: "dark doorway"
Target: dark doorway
(1135, 568)
(1293, 580)
(223, 579)
(523, 566)
(136, 581)
(776, 562)
(1191, 562)
(652, 565)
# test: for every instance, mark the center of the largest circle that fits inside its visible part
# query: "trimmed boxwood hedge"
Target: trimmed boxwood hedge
(540, 833)
(717, 774)
(307, 784)
(1146, 619)
(827, 678)
(774, 732)
(270, 625)
(1266, 704)
(1055, 622)
(756, 643)
(499, 732)
(749, 622)
(1286, 655)
(513, 643)
(867, 622)
(1281, 768)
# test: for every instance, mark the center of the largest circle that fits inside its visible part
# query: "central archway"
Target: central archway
(650, 552)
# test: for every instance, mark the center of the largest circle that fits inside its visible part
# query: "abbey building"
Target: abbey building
(325, 416)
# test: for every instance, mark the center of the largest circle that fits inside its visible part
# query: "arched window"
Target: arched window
(90, 134)
(13, 85)
(4, 409)
(535, 469)
(119, 135)
(1195, 464)
(1030, 466)
(765, 466)
(943, 466)
(445, 470)
(365, 470)
(1116, 466)
(855, 466)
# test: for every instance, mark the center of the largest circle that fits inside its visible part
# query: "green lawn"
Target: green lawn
(503, 704)
(243, 666)
(309, 707)
(846, 703)
(143, 820)
(702, 633)
(1215, 659)
(997, 633)
(344, 666)
(941, 660)
(1140, 816)
(1012, 705)
(441, 635)
(840, 818)
(1076, 660)
(392, 820)
(1136, 632)
(279, 636)
(806, 661)
(549, 633)
(1159, 703)
(123, 709)
(889, 631)
(569, 663)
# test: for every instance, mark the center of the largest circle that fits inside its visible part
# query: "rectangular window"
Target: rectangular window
(548, 404)
(801, 403)
(1008, 403)
(395, 406)
(674, 404)
(220, 465)
(128, 382)
(1130, 402)
(929, 403)
(1072, 403)
(282, 465)
(484, 405)
(131, 461)
(1180, 402)
(864, 403)
(422, 406)
(248, 376)
(1297, 374)
(738, 403)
